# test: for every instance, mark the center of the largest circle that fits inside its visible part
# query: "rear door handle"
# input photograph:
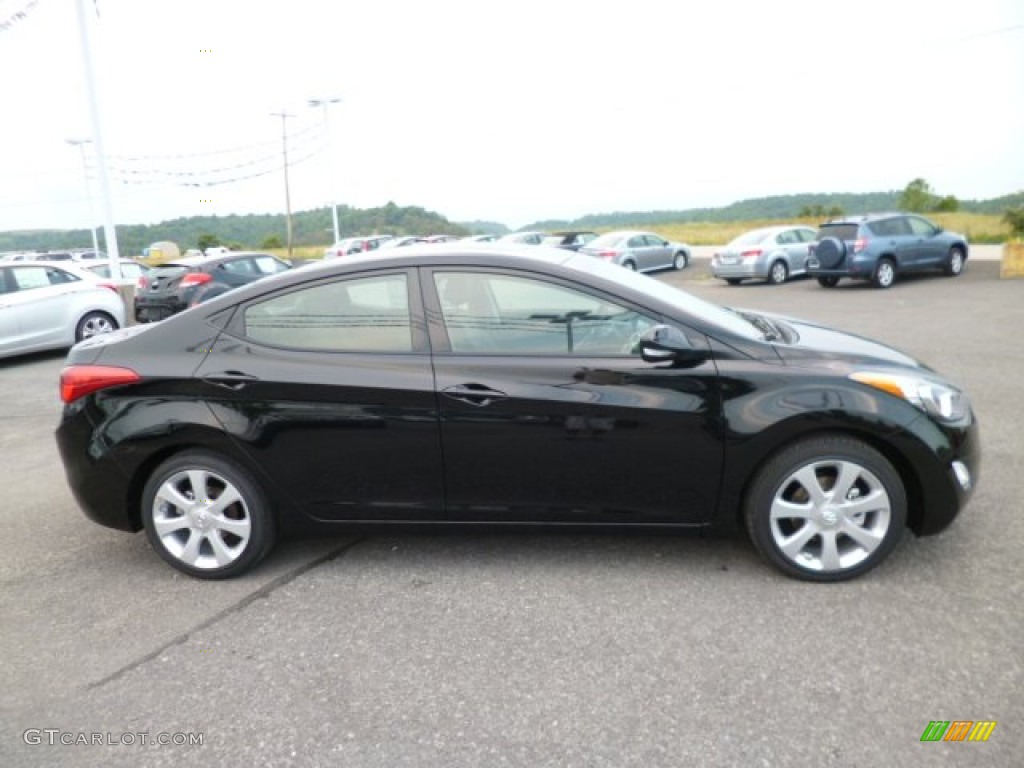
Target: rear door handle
(474, 394)
(233, 380)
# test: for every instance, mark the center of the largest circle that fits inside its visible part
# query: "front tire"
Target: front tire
(680, 261)
(206, 516)
(826, 509)
(955, 262)
(734, 280)
(93, 324)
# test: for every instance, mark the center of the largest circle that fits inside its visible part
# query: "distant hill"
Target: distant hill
(775, 207)
(250, 231)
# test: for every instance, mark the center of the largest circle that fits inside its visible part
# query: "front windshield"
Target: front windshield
(663, 292)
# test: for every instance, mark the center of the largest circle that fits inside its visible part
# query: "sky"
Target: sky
(502, 111)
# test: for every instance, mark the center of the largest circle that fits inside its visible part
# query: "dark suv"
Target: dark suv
(180, 284)
(879, 246)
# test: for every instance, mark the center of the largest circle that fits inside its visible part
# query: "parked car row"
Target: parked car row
(875, 247)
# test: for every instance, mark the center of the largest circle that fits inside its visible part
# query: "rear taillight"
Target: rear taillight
(609, 255)
(752, 254)
(195, 278)
(860, 244)
(143, 283)
(80, 380)
(111, 286)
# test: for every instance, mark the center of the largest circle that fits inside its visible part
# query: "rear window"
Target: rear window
(606, 241)
(840, 231)
(751, 238)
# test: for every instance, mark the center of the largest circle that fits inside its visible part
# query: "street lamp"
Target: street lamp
(80, 143)
(325, 103)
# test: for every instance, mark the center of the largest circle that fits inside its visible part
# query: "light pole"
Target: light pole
(325, 103)
(287, 193)
(80, 143)
(92, 89)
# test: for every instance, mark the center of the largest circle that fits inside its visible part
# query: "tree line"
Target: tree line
(314, 227)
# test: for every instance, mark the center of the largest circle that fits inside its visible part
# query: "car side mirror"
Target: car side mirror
(666, 344)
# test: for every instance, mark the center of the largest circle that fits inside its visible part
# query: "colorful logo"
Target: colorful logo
(958, 730)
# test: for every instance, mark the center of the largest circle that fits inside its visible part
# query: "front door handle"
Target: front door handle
(233, 380)
(474, 394)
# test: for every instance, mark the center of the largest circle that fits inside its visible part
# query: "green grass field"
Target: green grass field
(979, 228)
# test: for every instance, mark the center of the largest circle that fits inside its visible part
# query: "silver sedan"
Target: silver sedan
(640, 251)
(51, 306)
(772, 253)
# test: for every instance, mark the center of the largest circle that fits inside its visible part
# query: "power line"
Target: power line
(17, 16)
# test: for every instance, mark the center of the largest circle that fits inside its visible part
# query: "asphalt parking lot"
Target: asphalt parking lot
(474, 649)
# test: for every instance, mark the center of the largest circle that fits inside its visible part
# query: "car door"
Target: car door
(896, 231)
(329, 387)
(660, 253)
(928, 249)
(799, 251)
(42, 304)
(548, 414)
(9, 327)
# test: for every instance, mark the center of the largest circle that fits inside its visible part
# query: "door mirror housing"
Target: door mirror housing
(666, 344)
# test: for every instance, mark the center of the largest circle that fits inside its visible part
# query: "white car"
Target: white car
(52, 306)
(131, 270)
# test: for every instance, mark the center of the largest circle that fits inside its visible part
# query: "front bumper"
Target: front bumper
(946, 461)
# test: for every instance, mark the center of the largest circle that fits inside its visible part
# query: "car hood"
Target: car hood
(808, 341)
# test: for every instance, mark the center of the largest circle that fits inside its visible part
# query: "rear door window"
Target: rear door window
(369, 314)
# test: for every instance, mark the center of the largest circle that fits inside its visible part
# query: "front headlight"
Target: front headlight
(942, 401)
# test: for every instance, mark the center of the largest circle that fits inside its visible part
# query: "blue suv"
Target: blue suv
(880, 246)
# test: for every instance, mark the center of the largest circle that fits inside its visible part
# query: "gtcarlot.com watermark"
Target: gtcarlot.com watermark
(57, 737)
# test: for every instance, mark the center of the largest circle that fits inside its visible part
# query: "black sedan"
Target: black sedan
(470, 383)
(172, 287)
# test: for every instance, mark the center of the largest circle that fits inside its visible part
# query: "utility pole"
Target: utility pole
(287, 192)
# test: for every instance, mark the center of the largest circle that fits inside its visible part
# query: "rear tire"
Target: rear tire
(827, 508)
(93, 324)
(828, 281)
(206, 516)
(630, 265)
(779, 273)
(885, 273)
(734, 280)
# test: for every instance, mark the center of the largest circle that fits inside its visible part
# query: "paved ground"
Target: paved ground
(527, 650)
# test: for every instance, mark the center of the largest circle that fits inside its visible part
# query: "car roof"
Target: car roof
(74, 267)
(861, 218)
